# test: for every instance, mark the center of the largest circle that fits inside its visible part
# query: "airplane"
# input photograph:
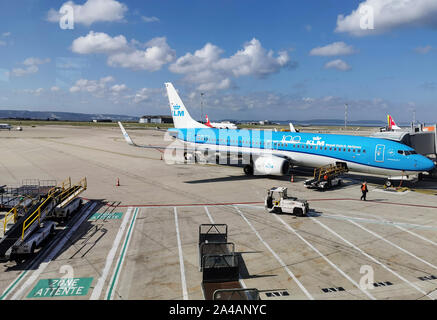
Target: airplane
(5, 126)
(272, 153)
(220, 125)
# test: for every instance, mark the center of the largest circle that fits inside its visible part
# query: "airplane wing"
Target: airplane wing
(187, 147)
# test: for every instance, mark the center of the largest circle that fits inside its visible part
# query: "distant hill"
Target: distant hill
(61, 116)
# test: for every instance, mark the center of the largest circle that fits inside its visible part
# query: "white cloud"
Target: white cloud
(6, 34)
(150, 19)
(118, 88)
(35, 92)
(55, 89)
(31, 66)
(209, 71)
(388, 15)
(3, 43)
(97, 88)
(150, 56)
(99, 42)
(93, 11)
(423, 50)
(333, 49)
(157, 54)
(338, 64)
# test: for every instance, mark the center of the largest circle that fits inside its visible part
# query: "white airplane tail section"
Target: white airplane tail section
(292, 129)
(181, 117)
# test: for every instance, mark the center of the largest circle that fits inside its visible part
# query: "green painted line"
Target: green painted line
(120, 260)
(11, 287)
(106, 216)
(49, 288)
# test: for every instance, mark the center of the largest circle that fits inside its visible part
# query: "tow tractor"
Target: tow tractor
(277, 201)
(327, 176)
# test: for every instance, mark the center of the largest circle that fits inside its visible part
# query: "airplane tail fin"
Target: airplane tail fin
(292, 129)
(208, 123)
(392, 124)
(181, 117)
(125, 135)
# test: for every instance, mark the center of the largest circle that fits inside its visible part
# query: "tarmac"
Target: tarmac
(139, 240)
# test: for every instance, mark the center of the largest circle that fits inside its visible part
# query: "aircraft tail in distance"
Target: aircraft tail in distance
(392, 124)
(208, 123)
(181, 117)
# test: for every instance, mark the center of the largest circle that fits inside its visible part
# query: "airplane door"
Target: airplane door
(379, 153)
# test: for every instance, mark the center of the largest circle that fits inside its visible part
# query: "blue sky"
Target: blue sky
(251, 59)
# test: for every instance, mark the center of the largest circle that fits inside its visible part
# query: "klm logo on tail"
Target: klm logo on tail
(177, 112)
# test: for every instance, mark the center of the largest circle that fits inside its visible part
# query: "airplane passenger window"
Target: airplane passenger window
(335, 149)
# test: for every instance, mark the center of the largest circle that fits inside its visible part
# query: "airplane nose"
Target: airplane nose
(427, 164)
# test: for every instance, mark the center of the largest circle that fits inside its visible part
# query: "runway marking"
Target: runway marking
(212, 221)
(276, 256)
(116, 275)
(52, 253)
(417, 235)
(325, 258)
(181, 258)
(258, 202)
(394, 245)
(371, 258)
(209, 215)
(110, 258)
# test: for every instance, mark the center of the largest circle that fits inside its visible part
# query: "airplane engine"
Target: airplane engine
(275, 166)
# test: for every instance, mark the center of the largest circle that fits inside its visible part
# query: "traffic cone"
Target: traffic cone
(292, 178)
(118, 182)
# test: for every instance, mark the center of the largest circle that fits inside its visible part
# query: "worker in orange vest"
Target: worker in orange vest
(364, 191)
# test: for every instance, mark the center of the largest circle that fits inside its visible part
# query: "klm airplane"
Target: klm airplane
(271, 153)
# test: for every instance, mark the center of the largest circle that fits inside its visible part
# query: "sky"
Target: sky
(242, 60)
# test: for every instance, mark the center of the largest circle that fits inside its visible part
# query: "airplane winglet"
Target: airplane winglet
(125, 135)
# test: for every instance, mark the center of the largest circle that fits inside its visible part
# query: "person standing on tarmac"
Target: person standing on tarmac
(364, 191)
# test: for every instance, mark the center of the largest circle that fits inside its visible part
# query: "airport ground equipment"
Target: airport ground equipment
(27, 221)
(30, 188)
(34, 241)
(220, 265)
(327, 176)
(277, 201)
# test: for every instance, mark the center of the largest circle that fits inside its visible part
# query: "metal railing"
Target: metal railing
(13, 213)
(35, 215)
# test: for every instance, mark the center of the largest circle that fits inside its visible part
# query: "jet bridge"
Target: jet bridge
(424, 142)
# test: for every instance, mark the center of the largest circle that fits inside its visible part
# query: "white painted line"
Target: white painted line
(371, 258)
(276, 256)
(325, 258)
(417, 235)
(181, 257)
(209, 215)
(117, 270)
(212, 221)
(95, 295)
(380, 221)
(20, 292)
(392, 192)
(394, 245)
